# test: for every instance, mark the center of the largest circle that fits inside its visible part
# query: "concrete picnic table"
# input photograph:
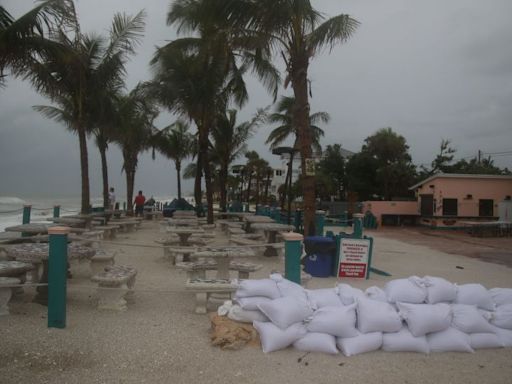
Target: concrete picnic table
(271, 229)
(183, 222)
(223, 256)
(31, 229)
(69, 221)
(185, 233)
(250, 220)
(38, 253)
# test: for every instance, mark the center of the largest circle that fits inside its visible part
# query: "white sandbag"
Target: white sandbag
(484, 340)
(375, 293)
(475, 294)
(502, 317)
(337, 321)
(501, 296)
(377, 316)
(238, 314)
(348, 294)
(286, 311)
(317, 342)
(449, 340)
(288, 288)
(504, 335)
(425, 318)
(251, 303)
(410, 290)
(273, 338)
(319, 298)
(259, 287)
(467, 319)
(404, 341)
(439, 290)
(362, 343)
(223, 310)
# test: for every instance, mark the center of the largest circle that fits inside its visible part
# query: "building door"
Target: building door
(427, 205)
(486, 207)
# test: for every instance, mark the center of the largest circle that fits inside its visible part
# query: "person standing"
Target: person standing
(112, 199)
(140, 199)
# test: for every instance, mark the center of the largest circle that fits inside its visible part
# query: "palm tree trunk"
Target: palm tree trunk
(203, 150)
(266, 187)
(197, 181)
(249, 188)
(178, 175)
(258, 182)
(84, 169)
(130, 181)
(223, 193)
(104, 173)
(299, 72)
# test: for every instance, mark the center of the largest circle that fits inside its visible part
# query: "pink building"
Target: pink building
(447, 199)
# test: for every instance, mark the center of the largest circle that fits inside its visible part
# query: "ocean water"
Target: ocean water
(11, 207)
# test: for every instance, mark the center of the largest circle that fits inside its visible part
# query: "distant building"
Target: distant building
(446, 199)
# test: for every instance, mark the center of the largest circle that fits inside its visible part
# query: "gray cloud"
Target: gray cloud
(430, 70)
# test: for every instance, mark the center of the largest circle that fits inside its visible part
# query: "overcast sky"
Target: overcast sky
(431, 70)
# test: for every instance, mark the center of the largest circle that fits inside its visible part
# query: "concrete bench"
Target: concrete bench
(115, 287)
(109, 231)
(203, 288)
(152, 214)
(235, 231)
(101, 260)
(6, 291)
(173, 252)
(272, 249)
(197, 269)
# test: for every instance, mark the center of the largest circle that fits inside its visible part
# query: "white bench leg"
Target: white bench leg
(112, 299)
(170, 255)
(201, 301)
(130, 295)
(5, 296)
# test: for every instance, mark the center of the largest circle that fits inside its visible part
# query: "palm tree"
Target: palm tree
(216, 61)
(176, 143)
(283, 116)
(74, 67)
(228, 142)
(24, 37)
(298, 32)
(260, 170)
(134, 133)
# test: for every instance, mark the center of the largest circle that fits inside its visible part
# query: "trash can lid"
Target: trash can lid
(318, 240)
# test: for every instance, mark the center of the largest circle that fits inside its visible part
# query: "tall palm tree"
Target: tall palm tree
(25, 36)
(283, 115)
(134, 133)
(176, 143)
(75, 66)
(260, 170)
(298, 32)
(217, 62)
(228, 142)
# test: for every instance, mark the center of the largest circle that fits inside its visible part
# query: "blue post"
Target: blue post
(319, 223)
(57, 273)
(358, 225)
(292, 254)
(56, 211)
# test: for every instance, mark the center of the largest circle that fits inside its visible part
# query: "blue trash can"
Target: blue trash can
(319, 255)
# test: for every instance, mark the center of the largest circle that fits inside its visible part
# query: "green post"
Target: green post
(26, 214)
(124, 205)
(358, 225)
(319, 223)
(56, 211)
(57, 273)
(292, 254)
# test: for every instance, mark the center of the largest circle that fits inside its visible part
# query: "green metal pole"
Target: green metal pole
(319, 223)
(292, 254)
(57, 273)
(56, 211)
(124, 205)
(26, 214)
(358, 225)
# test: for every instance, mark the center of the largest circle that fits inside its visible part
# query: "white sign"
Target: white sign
(353, 260)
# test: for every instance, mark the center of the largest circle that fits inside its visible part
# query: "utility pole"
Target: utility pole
(479, 155)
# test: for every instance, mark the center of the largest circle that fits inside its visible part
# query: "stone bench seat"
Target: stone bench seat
(122, 279)
(235, 231)
(203, 288)
(266, 249)
(109, 231)
(197, 269)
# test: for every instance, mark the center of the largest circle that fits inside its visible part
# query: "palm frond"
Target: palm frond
(334, 30)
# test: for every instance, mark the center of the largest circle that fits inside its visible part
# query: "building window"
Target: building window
(450, 207)
(486, 207)
(279, 172)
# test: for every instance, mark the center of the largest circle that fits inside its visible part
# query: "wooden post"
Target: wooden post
(292, 254)
(57, 273)
(56, 211)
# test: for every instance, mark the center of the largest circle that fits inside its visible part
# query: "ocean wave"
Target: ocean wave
(11, 200)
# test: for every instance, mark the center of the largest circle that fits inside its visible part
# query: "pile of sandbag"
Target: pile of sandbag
(428, 314)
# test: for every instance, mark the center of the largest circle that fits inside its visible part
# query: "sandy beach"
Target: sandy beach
(160, 339)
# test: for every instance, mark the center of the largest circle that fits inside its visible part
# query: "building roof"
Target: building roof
(459, 176)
